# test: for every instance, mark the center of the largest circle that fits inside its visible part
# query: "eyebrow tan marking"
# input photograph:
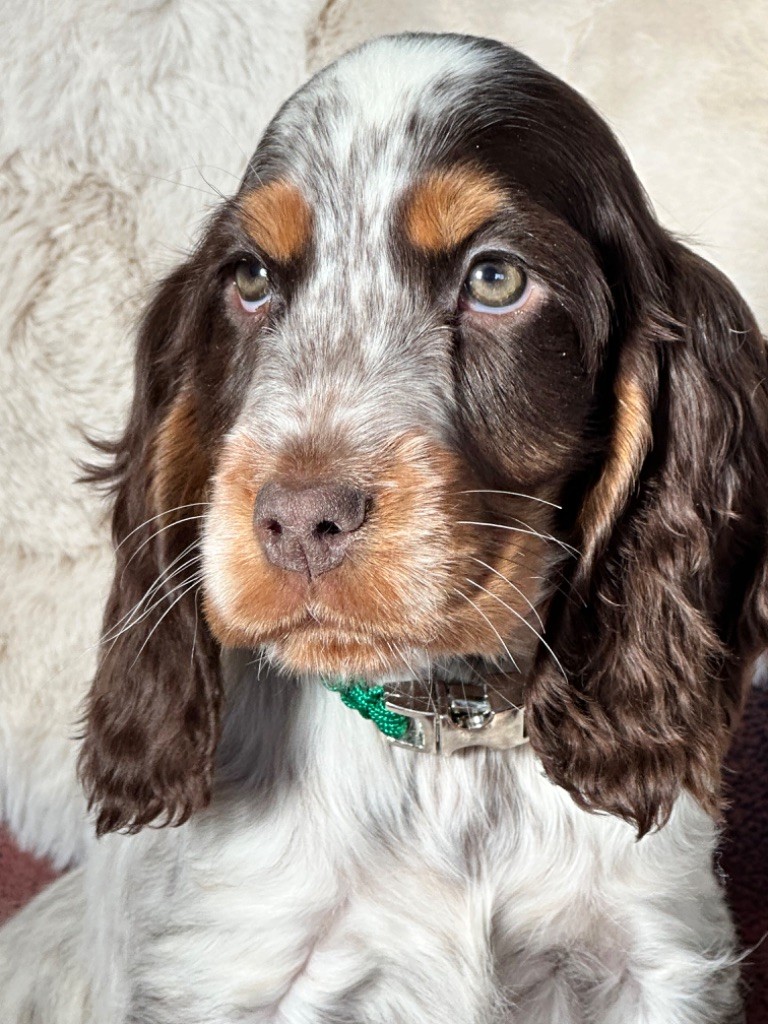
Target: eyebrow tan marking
(446, 206)
(278, 219)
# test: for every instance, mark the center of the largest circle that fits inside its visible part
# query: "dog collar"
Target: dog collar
(451, 716)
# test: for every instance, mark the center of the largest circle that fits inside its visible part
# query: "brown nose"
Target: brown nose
(308, 529)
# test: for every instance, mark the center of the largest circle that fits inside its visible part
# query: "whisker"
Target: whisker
(473, 670)
(194, 634)
(548, 536)
(565, 587)
(430, 684)
(405, 661)
(147, 611)
(513, 585)
(167, 512)
(481, 612)
(525, 623)
(197, 579)
(123, 626)
(569, 549)
(519, 561)
(168, 526)
(210, 191)
(153, 587)
(214, 167)
(514, 494)
(219, 124)
(432, 702)
(502, 696)
(258, 661)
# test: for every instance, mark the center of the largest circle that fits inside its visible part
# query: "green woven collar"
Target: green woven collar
(369, 701)
(443, 718)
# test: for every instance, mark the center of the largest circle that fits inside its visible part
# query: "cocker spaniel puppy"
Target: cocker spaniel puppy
(440, 523)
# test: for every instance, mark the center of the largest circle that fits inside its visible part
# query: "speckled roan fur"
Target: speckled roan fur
(333, 877)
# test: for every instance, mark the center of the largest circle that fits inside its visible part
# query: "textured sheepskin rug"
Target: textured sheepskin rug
(120, 124)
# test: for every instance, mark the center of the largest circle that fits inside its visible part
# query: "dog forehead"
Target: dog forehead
(389, 79)
(393, 84)
(363, 128)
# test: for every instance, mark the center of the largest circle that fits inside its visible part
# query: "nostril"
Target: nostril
(308, 528)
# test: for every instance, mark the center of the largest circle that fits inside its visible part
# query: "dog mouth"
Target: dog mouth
(332, 649)
(326, 628)
(323, 645)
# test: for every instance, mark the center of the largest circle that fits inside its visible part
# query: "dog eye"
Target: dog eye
(252, 283)
(495, 286)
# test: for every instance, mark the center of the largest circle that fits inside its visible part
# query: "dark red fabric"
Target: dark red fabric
(744, 854)
(21, 876)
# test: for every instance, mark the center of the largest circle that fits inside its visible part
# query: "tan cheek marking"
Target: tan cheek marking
(278, 219)
(505, 588)
(180, 467)
(447, 206)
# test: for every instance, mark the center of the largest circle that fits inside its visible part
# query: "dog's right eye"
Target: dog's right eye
(252, 283)
(495, 286)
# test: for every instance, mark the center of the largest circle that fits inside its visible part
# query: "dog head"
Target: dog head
(437, 385)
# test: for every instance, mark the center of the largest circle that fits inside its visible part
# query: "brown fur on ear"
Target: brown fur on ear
(673, 572)
(635, 393)
(152, 714)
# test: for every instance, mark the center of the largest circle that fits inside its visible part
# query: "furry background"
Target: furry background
(119, 124)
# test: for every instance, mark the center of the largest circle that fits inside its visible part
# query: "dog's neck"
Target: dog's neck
(277, 728)
(445, 714)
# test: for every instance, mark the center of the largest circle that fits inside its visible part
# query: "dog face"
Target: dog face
(436, 385)
(420, 350)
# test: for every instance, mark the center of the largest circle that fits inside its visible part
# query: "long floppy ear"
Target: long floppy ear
(152, 714)
(672, 581)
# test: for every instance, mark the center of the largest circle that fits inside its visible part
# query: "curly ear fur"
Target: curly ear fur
(152, 715)
(672, 578)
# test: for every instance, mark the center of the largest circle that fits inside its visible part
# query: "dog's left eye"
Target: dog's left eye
(252, 283)
(495, 286)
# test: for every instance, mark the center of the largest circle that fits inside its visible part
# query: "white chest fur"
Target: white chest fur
(337, 878)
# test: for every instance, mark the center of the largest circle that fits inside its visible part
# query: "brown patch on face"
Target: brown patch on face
(180, 469)
(413, 579)
(449, 205)
(278, 219)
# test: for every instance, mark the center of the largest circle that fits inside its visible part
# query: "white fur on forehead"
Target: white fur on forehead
(385, 80)
(346, 133)
(397, 69)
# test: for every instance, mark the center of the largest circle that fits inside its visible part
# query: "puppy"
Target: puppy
(444, 492)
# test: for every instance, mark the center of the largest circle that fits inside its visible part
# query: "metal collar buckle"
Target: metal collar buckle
(455, 715)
